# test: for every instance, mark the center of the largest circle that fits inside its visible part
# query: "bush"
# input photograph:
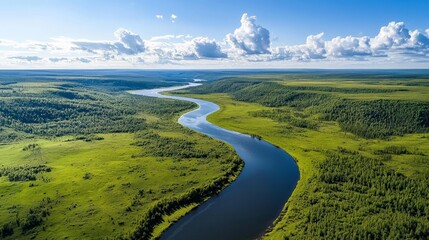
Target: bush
(87, 176)
(393, 149)
(23, 173)
(31, 222)
(6, 230)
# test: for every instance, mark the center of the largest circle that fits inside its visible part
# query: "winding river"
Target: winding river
(249, 205)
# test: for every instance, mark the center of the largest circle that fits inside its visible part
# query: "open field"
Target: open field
(88, 162)
(80, 158)
(367, 182)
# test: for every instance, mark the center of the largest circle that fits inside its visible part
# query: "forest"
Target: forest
(83, 158)
(369, 119)
(360, 143)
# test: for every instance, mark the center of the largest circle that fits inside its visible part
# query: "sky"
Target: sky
(214, 34)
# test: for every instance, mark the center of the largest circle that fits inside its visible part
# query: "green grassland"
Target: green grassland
(89, 162)
(361, 144)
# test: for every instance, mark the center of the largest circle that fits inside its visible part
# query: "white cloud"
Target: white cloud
(27, 58)
(127, 43)
(83, 60)
(173, 18)
(95, 47)
(418, 44)
(314, 48)
(248, 45)
(348, 46)
(395, 39)
(56, 59)
(29, 45)
(250, 38)
(131, 43)
(183, 36)
(200, 47)
(392, 41)
(6, 43)
(392, 35)
(160, 17)
(206, 48)
(70, 60)
(162, 38)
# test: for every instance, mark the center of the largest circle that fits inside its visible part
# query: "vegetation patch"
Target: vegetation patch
(23, 173)
(393, 149)
(363, 169)
(379, 118)
(358, 194)
(194, 196)
(294, 118)
(370, 119)
(94, 163)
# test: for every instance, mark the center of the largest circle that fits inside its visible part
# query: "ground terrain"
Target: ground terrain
(90, 161)
(82, 158)
(361, 143)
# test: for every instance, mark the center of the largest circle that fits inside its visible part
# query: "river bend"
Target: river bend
(249, 205)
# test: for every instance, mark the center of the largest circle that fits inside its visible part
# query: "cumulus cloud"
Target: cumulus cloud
(206, 48)
(314, 48)
(127, 43)
(392, 35)
(250, 43)
(393, 39)
(250, 38)
(419, 40)
(348, 47)
(317, 48)
(196, 48)
(160, 17)
(173, 18)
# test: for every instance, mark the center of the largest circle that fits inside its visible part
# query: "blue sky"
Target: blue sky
(288, 24)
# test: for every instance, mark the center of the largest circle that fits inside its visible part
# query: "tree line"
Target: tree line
(51, 114)
(23, 173)
(366, 118)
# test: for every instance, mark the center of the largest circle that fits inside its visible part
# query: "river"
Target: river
(249, 205)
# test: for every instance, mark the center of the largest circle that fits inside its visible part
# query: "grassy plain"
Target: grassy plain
(117, 165)
(105, 184)
(335, 209)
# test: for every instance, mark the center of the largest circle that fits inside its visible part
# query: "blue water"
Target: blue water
(249, 205)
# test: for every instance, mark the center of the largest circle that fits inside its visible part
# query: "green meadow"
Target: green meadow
(82, 158)
(91, 162)
(361, 144)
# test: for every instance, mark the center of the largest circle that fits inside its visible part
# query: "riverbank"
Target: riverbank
(160, 217)
(251, 203)
(235, 116)
(350, 185)
(94, 172)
